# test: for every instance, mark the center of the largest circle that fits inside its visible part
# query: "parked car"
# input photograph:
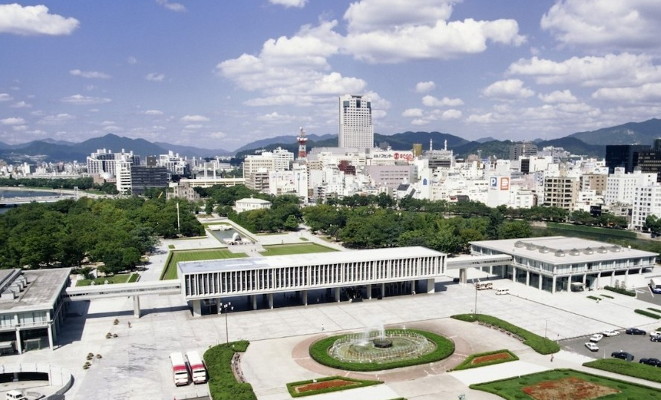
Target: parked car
(655, 334)
(655, 362)
(655, 338)
(635, 331)
(503, 291)
(622, 355)
(596, 337)
(609, 333)
(592, 346)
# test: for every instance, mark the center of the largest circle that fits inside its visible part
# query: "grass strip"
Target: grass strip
(647, 313)
(222, 383)
(539, 344)
(620, 291)
(298, 248)
(637, 370)
(175, 257)
(119, 278)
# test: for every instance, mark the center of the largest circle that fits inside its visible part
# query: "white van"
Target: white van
(15, 395)
(503, 291)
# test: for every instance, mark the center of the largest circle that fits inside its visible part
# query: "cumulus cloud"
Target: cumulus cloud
(289, 3)
(12, 121)
(424, 87)
(153, 112)
(412, 113)
(21, 104)
(172, 6)
(608, 70)
(508, 89)
(34, 20)
(194, 118)
(89, 74)
(451, 114)
(155, 77)
(277, 118)
(644, 93)
(79, 99)
(368, 15)
(431, 101)
(55, 119)
(558, 96)
(631, 24)
(5, 97)
(217, 135)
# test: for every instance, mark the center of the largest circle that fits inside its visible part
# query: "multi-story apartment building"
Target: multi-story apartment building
(104, 162)
(561, 191)
(647, 201)
(621, 186)
(594, 181)
(522, 149)
(356, 128)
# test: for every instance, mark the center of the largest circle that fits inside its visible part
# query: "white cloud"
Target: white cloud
(451, 114)
(277, 118)
(12, 121)
(412, 113)
(79, 99)
(155, 77)
(89, 74)
(56, 119)
(442, 40)
(21, 104)
(290, 3)
(132, 60)
(508, 89)
(431, 101)
(424, 87)
(608, 70)
(217, 135)
(558, 96)
(153, 112)
(192, 127)
(34, 20)
(485, 118)
(194, 118)
(5, 97)
(172, 6)
(644, 93)
(631, 24)
(420, 122)
(368, 15)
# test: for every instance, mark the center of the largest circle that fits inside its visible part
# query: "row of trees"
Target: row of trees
(69, 184)
(115, 232)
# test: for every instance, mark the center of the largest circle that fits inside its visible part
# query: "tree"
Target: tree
(653, 224)
(514, 229)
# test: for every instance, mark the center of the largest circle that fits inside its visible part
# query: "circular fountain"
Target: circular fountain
(379, 348)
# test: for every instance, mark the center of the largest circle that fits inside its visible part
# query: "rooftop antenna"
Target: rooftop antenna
(302, 141)
(445, 147)
(430, 145)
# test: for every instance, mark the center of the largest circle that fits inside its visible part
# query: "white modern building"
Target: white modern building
(250, 204)
(620, 186)
(356, 128)
(558, 263)
(358, 270)
(647, 202)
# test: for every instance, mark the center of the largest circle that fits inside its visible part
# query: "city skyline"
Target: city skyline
(223, 74)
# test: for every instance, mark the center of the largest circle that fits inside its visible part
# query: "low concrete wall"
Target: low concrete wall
(57, 377)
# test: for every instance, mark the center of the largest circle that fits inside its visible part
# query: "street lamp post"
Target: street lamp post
(227, 307)
(475, 308)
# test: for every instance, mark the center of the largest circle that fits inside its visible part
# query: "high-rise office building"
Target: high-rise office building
(623, 155)
(356, 129)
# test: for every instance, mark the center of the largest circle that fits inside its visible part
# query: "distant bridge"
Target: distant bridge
(17, 201)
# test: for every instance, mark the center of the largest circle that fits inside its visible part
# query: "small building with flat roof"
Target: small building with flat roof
(558, 263)
(216, 280)
(32, 307)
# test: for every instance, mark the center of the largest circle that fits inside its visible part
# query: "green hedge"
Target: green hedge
(539, 344)
(592, 230)
(134, 278)
(222, 384)
(654, 309)
(628, 368)
(605, 295)
(319, 353)
(467, 363)
(594, 298)
(620, 291)
(291, 387)
(647, 313)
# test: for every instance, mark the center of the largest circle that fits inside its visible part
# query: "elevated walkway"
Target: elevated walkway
(463, 262)
(136, 290)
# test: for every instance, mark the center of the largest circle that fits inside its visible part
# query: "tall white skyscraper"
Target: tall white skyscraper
(356, 129)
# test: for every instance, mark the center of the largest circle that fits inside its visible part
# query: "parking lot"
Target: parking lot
(639, 345)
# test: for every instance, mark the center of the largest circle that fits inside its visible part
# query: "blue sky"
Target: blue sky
(222, 73)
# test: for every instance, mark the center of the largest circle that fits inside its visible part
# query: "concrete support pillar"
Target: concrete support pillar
(463, 275)
(539, 284)
(19, 343)
(369, 291)
(413, 287)
(136, 306)
(553, 285)
(490, 269)
(336, 294)
(253, 301)
(527, 278)
(598, 280)
(431, 285)
(585, 280)
(513, 274)
(50, 337)
(197, 308)
(270, 298)
(304, 297)
(383, 290)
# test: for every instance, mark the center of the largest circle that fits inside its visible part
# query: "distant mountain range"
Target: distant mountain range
(590, 143)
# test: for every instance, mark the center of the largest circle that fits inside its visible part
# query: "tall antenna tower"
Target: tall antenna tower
(302, 143)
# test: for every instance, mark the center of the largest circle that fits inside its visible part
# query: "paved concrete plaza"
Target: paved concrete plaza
(135, 364)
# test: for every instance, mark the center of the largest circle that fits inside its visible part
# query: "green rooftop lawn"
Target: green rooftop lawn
(119, 278)
(194, 255)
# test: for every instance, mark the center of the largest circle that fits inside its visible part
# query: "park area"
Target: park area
(177, 256)
(104, 280)
(299, 248)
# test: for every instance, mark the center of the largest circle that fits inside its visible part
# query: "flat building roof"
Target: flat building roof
(233, 264)
(41, 293)
(563, 250)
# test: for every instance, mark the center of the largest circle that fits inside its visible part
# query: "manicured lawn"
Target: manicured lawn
(622, 367)
(119, 278)
(222, 383)
(170, 271)
(301, 248)
(566, 384)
